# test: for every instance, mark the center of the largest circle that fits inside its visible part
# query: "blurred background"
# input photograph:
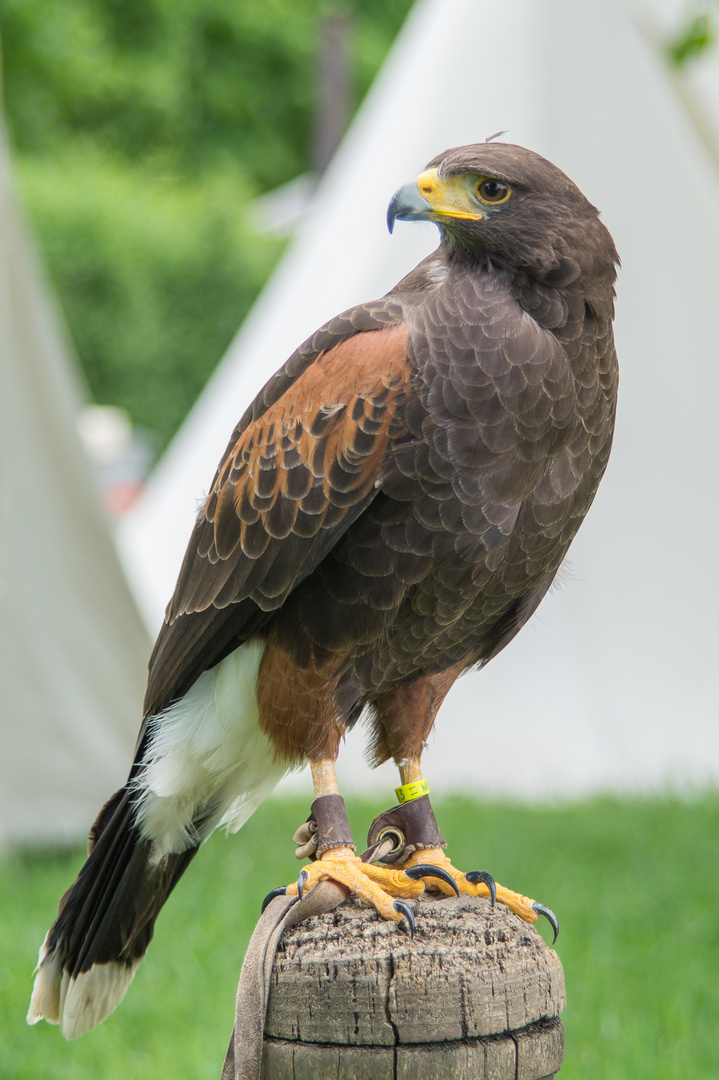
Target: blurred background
(187, 190)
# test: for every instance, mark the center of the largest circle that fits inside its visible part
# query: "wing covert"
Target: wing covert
(295, 476)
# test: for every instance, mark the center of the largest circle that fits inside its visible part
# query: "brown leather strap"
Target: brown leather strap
(414, 825)
(244, 1054)
(333, 828)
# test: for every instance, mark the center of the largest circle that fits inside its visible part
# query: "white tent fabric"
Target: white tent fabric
(613, 684)
(73, 649)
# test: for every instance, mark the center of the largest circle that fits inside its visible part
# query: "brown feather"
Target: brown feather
(292, 481)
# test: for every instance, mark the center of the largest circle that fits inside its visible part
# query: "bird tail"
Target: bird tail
(105, 921)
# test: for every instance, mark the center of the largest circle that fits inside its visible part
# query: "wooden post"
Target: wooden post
(475, 995)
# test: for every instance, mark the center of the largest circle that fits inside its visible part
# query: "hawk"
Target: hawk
(390, 511)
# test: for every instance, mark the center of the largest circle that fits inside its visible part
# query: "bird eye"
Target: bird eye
(493, 191)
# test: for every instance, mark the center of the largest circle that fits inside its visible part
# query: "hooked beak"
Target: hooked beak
(407, 205)
(432, 197)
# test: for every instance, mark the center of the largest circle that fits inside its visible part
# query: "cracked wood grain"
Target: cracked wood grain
(476, 994)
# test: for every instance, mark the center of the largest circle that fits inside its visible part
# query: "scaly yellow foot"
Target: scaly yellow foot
(380, 886)
(478, 884)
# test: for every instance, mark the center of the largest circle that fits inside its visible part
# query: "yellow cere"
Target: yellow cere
(447, 195)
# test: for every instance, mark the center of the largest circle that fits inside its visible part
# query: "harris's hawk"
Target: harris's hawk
(389, 512)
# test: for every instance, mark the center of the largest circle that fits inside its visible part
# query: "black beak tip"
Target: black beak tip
(392, 213)
(407, 205)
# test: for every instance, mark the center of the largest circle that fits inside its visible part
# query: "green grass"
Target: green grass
(635, 884)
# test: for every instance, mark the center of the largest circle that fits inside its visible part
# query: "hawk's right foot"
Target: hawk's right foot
(382, 887)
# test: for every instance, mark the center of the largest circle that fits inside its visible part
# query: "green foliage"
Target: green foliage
(633, 882)
(155, 276)
(695, 36)
(178, 84)
(143, 129)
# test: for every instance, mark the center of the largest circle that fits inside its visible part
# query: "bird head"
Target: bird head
(503, 203)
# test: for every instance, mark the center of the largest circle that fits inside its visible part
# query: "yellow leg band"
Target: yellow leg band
(414, 790)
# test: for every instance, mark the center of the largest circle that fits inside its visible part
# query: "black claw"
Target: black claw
(548, 914)
(301, 882)
(474, 877)
(427, 870)
(406, 910)
(282, 891)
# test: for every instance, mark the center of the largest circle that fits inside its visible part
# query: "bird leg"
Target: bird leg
(382, 887)
(417, 840)
(407, 845)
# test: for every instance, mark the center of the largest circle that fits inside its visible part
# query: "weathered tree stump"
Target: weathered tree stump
(475, 995)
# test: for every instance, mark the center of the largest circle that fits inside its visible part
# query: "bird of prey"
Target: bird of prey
(389, 512)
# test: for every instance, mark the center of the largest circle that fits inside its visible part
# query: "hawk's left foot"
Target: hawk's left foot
(478, 883)
(408, 834)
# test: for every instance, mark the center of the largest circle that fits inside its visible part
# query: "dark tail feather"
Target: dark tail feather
(104, 924)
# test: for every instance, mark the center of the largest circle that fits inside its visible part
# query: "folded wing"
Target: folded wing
(300, 468)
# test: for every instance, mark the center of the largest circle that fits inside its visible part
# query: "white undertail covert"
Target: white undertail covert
(208, 762)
